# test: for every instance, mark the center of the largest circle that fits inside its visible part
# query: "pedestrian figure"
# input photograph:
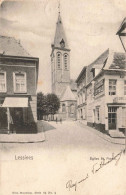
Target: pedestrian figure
(61, 120)
(56, 119)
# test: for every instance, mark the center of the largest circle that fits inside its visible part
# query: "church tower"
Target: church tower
(60, 60)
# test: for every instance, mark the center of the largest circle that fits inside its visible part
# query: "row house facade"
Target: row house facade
(105, 92)
(81, 95)
(18, 84)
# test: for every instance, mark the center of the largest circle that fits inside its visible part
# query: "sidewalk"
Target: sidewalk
(106, 137)
(25, 138)
(22, 138)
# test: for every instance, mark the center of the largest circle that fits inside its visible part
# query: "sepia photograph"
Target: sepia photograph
(62, 97)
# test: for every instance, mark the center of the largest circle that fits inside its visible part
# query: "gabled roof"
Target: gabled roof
(99, 62)
(122, 28)
(81, 74)
(68, 95)
(116, 60)
(10, 46)
(60, 34)
(109, 60)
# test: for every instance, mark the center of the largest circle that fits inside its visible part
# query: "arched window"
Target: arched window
(65, 61)
(63, 108)
(58, 60)
(72, 108)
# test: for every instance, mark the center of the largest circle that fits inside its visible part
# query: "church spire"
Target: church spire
(59, 7)
(60, 37)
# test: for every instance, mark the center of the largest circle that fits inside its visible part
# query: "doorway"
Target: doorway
(17, 115)
(112, 118)
(3, 118)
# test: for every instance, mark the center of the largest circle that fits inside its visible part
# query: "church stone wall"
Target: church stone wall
(61, 74)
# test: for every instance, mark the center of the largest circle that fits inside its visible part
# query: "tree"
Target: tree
(53, 103)
(41, 105)
(47, 104)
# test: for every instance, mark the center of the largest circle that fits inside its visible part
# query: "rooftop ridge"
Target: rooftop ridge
(12, 46)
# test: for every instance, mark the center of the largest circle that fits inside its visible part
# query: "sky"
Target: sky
(90, 27)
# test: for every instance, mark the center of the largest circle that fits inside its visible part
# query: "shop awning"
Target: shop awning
(15, 102)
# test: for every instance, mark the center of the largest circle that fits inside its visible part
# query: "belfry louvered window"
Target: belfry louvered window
(58, 60)
(65, 61)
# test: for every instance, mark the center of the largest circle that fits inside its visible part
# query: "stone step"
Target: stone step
(3, 131)
(116, 134)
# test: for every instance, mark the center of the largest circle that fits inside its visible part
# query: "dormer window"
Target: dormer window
(93, 72)
(58, 60)
(62, 43)
(65, 61)
(20, 82)
(2, 81)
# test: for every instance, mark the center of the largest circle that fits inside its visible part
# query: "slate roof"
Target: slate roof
(73, 85)
(99, 62)
(12, 47)
(68, 95)
(108, 60)
(119, 61)
(60, 34)
(81, 73)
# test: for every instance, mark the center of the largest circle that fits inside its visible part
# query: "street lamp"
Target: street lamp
(122, 33)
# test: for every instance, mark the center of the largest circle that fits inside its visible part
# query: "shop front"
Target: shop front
(117, 114)
(14, 113)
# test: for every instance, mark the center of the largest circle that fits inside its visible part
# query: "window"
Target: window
(97, 113)
(99, 87)
(63, 108)
(80, 99)
(125, 87)
(72, 108)
(93, 72)
(112, 117)
(20, 82)
(2, 81)
(1, 102)
(112, 87)
(58, 60)
(83, 96)
(123, 117)
(65, 61)
(62, 43)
